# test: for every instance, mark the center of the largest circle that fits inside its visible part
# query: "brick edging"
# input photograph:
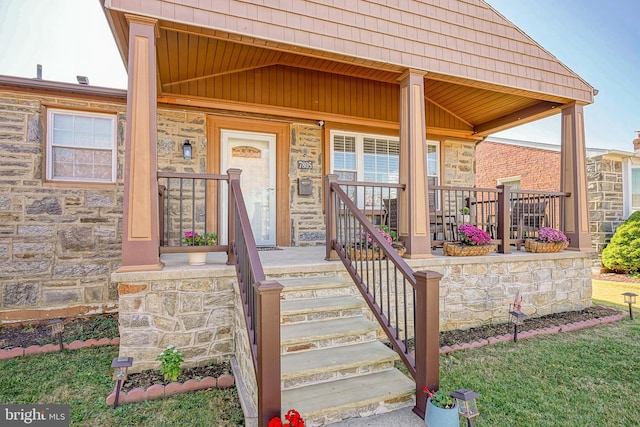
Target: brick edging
(532, 333)
(159, 391)
(52, 348)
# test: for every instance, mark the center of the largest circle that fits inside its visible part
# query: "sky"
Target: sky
(597, 39)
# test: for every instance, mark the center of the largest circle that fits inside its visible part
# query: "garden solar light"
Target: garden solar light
(517, 318)
(630, 298)
(120, 367)
(467, 407)
(57, 327)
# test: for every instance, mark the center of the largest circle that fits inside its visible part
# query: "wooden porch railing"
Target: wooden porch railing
(260, 297)
(509, 216)
(406, 304)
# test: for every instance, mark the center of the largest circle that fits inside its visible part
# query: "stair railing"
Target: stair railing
(405, 303)
(261, 304)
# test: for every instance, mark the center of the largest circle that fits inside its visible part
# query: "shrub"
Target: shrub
(622, 254)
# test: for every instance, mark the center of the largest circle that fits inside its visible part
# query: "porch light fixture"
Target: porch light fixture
(57, 327)
(83, 80)
(120, 365)
(630, 298)
(517, 318)
(187, 150)
(467, 407)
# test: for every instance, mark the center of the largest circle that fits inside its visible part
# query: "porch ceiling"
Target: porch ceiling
(190, 58)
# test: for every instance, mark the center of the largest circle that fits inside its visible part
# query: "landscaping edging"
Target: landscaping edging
(159, 391)
(532, 333)
(52, 348)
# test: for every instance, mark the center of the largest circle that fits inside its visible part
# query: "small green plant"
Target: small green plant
(440, 398)
(464, 210)
(170, 360)
(29, 328)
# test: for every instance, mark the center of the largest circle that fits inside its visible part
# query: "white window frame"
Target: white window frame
(437, 174)
(359, 137)
(50, 144)
(509, 179)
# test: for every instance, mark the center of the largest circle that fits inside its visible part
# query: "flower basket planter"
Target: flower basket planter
(532, 245)
(457, 249)
(197, 258)
(440, 417)
(399, 248)
(364, 254)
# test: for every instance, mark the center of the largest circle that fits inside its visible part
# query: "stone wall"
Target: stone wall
(194, 313)
(307, 220)
(59, 243)
(606, 209)
(459, 163)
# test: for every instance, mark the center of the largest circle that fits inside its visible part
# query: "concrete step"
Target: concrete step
(326, 333)
(335, 363)
(314, 287)
(320, 308)
(361, 396)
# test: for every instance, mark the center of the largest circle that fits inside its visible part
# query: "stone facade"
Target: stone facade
(59, 243)
(307, 220)
(194, 313)
(605, 189)
(459, 164)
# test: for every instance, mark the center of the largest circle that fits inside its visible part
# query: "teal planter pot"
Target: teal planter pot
(439, 417)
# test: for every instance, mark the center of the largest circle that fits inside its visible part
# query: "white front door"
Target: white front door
(255, 154)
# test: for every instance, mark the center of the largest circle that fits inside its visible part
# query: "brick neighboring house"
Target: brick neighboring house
(613, 178)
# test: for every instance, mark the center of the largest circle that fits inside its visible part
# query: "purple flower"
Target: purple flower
(548, 234)
(473, 236)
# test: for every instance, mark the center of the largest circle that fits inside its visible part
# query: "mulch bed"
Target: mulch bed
(146, 379)
(80, 328)
(450, 338)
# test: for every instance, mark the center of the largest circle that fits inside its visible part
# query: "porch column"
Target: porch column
(574, 212)
(140, 235)
(413, 212)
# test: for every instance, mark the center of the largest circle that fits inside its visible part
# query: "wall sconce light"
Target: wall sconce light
(630, 298)
(187, 152)
(120, 367)
(466, 404)
(57, 327)
(320, 123)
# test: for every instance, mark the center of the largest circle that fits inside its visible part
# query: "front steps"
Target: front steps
(333, 366)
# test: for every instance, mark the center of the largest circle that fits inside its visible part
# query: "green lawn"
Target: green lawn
(82, 378)
(584, 378)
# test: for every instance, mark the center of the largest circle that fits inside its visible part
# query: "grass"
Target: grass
(82, 379)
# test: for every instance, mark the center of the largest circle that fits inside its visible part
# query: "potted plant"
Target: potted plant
(464, 215)
(292, 417)
(471, 241)
(395, 243)
(367, 248)
(441, 410)
(191, 238)
(548, 240)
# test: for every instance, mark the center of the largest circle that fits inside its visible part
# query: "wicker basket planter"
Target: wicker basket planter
(364, 254)
(457, 249)
(531, 245)
(399, 248)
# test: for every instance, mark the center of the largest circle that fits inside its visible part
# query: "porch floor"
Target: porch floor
(311, 259)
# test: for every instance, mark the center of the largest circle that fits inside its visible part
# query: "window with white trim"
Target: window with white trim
(433, 171)
(81, 146)
(363, 157)
(635, 189)
(513, 182)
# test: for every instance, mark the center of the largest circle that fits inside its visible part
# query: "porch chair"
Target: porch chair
(527, 218)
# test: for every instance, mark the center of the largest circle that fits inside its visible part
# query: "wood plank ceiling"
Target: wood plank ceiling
(188, 63)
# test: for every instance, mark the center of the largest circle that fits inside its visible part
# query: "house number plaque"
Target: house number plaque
(305, 164)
